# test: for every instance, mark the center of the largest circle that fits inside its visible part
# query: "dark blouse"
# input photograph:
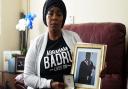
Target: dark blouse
(56, 60)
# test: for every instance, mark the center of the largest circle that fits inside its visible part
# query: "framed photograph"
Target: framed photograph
(87, 65)
(19, 63)
(69, 81)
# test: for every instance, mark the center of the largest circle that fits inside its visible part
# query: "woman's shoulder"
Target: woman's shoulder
(38, 39)
(69, 32)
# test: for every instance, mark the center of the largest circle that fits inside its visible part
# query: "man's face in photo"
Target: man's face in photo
(88, 55)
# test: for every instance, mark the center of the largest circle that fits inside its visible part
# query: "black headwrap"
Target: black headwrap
(57, 3)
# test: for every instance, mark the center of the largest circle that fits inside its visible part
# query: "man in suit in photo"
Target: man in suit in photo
(86, 69)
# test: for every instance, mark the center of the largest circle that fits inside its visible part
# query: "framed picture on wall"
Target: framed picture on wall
(19, 63)
(87, 65)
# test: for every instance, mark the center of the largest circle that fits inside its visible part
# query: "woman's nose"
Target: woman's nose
(54, 16)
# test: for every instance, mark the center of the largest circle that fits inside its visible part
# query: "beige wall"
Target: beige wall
(0, 38)
(10, 10)
(0, 18)
(25, 5)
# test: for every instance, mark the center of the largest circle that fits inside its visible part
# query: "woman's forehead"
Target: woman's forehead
(54, 8)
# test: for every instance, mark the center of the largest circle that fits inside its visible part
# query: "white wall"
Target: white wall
(36, 7)
(100, 11)
(9, 38)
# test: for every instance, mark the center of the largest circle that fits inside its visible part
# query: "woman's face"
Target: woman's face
(54, 19)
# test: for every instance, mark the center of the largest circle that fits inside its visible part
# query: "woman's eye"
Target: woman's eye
(59, 14)
(50, 13)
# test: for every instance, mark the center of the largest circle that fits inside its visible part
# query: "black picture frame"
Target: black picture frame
(19, 63)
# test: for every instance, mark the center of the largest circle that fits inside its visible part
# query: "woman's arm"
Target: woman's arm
(30, 71)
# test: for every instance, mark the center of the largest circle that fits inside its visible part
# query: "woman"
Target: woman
(49, 57)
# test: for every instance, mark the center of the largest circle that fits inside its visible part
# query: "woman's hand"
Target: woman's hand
(57, 85)
(104, 71)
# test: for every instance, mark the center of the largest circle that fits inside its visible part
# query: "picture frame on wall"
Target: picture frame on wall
(88, 62)
(19, 63)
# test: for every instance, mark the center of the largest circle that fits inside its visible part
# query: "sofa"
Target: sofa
(113, 35)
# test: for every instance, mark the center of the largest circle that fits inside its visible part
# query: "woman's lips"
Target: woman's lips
(54, 25)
